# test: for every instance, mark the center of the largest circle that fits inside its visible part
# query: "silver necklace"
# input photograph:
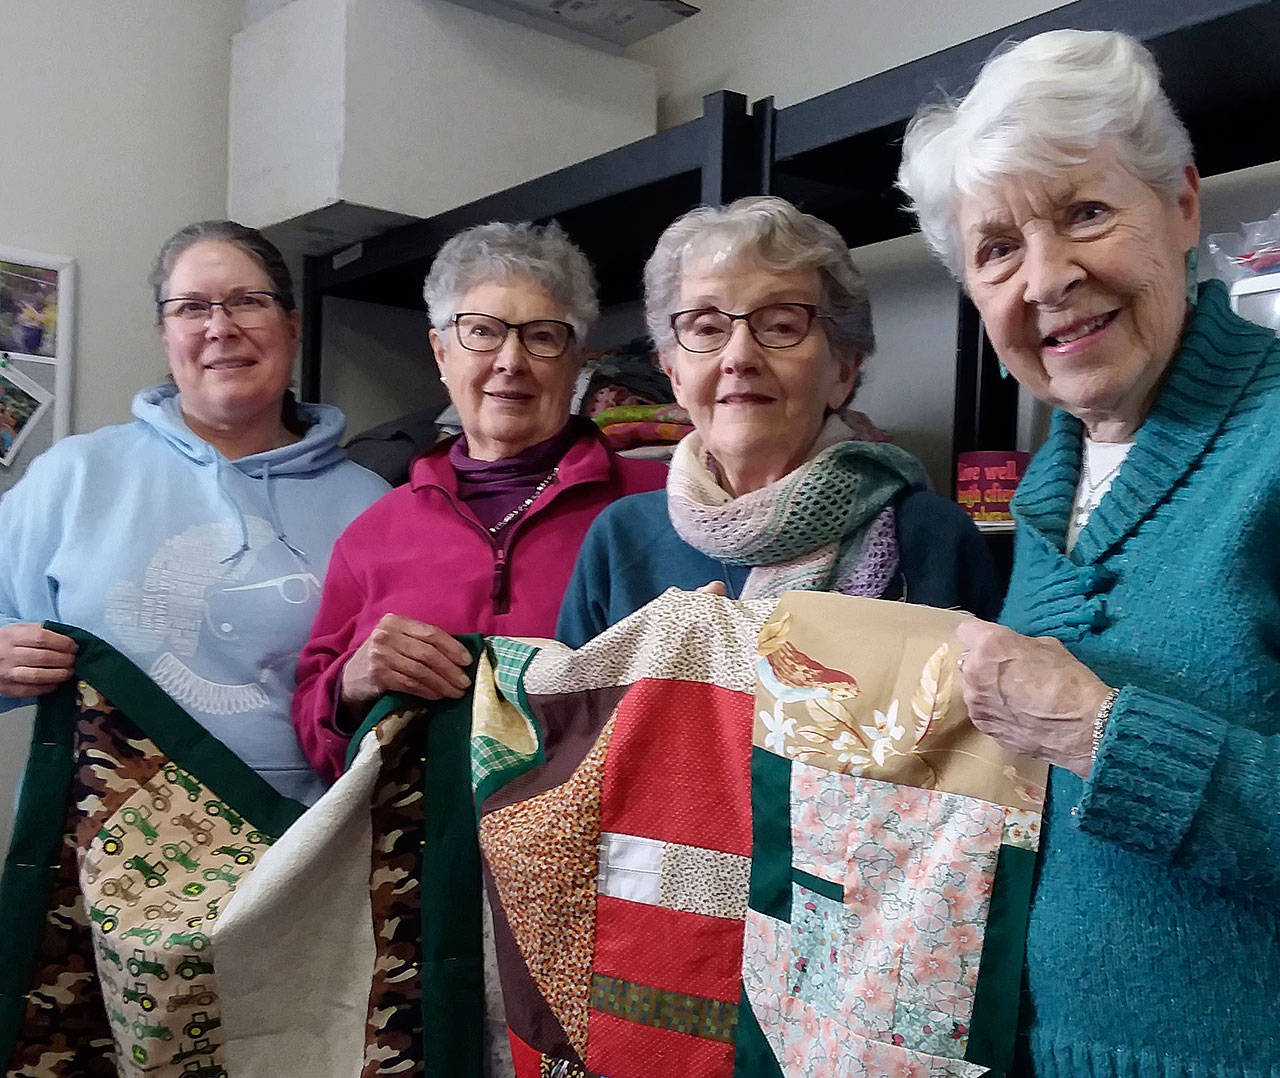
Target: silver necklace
(1092, 498)
(1090, 487)
(520, 509)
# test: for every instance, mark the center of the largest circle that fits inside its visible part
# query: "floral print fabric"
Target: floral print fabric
(899, 954)
(870, 961)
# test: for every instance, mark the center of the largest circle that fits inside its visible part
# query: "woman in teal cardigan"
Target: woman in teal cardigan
(1140, 645)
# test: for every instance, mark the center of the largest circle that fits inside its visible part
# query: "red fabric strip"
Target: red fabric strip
(668, 949)
(618, 1047)
(679, 766)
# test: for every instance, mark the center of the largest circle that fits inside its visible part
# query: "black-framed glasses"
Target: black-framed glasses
(247, 309)
(775, 325)
(546, 338)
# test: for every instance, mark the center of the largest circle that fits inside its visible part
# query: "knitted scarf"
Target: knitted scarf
(826, 526)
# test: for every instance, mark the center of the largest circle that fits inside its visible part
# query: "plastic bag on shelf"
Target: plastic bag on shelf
(1254, 249)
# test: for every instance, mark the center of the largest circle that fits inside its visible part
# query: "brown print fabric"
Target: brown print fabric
(65, 1031)
(393, 1035)
(543, 856)
(150, 856)
(113, 760)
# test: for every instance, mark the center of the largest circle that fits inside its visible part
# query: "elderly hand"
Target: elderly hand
(33, 660)
(1030, 694)
(404, 655)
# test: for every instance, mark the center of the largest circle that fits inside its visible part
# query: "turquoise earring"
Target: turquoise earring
(1004, 371)
(1193, 276)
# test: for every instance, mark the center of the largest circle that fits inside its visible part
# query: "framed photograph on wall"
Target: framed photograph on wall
(23, 401)
(37, 299)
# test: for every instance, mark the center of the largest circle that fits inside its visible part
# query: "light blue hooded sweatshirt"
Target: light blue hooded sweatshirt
(205, 572)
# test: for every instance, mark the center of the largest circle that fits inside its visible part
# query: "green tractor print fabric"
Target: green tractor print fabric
(123, 859)
(168, 914)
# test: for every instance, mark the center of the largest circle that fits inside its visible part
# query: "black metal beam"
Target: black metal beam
(312, 329)
(892, 97)
(1218, 63)
(731, 163)
(986, 404)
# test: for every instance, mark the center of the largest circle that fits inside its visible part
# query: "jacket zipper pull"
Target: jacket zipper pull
(498, 593)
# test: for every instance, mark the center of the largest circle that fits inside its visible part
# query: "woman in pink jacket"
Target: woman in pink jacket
(484, 535)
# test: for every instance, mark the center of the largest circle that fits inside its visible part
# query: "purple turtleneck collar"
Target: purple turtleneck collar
(492, 488)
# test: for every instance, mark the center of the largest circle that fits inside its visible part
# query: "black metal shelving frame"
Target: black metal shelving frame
(835, 155)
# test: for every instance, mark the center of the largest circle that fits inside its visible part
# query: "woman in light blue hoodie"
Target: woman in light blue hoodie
(195, 539)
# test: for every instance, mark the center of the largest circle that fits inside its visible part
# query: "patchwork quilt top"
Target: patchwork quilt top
(752, 839)
(723, 838)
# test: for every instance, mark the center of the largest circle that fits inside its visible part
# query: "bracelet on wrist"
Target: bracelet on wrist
(1100, 721)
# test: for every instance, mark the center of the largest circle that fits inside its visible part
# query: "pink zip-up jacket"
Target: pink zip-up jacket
(420, 552)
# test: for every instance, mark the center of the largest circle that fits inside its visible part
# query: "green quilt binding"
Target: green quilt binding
(38, 829)
(452, 957)
(32, 861)
(452, 951)
(997, 995)
(769, 892)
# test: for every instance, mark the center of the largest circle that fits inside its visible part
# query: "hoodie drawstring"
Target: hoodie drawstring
(235, 508)
(276, 524)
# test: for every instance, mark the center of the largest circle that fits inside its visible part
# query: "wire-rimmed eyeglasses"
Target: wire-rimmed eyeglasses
(775, 325)
(246, 309)
(546, 338)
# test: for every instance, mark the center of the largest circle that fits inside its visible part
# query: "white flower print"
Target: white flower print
(780, 728)
(885, 731)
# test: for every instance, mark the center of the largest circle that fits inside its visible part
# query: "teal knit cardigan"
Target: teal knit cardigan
(1154, 942)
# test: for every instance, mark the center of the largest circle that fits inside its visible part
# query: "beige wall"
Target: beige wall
(797, 49)
(113, 133)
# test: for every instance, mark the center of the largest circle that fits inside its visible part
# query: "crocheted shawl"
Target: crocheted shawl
(826, 526)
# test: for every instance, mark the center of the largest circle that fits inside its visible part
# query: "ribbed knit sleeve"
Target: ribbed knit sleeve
(1178, 784)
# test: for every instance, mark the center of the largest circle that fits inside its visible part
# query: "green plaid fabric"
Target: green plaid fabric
(490, 757)
(510, 657)
(699, 1017)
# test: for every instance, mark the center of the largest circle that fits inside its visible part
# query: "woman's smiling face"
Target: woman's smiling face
(1081, 284)
(508, 399)
(758, 410)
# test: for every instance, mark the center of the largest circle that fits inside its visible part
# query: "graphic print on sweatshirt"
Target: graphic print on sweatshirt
(213, 628)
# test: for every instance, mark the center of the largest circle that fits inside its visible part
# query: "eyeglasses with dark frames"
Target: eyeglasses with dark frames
(775, 325)
(246, 309)
(545, 338)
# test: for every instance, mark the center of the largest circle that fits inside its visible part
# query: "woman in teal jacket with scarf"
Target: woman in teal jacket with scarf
(762, 322)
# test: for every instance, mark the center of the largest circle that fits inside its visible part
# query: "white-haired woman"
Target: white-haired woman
(1139, 653)
(483, 536)
(762, 323)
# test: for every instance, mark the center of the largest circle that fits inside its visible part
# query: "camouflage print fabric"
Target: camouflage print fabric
(394, 1029)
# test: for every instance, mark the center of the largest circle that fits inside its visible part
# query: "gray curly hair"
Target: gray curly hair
(772, 231)
(498, 251)
(1039, 108)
